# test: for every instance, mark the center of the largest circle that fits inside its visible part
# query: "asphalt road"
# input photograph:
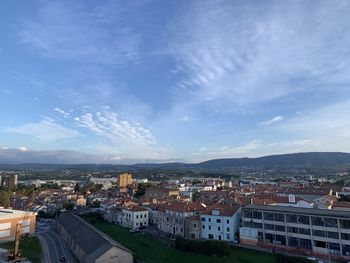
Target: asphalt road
(53, 246)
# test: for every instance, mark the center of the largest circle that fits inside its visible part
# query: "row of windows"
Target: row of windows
(211, 236)
(219, 228)
(298, 219)
(218, 220)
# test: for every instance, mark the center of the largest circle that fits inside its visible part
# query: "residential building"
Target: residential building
(220, 222)
(308, 231)
(192, 227)
(157, 192)
(10, 220)
(124, 180)
(134, 217)
(171, 217)
(10, 180)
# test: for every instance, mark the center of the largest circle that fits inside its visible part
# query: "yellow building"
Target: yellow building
(125, 179)
(9, 220)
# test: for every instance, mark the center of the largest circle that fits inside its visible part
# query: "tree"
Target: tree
(195, 196)
(77, 187)
(4, 198)
(141, 189)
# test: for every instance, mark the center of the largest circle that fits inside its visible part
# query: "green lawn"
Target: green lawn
(149, 250)
(30, 248)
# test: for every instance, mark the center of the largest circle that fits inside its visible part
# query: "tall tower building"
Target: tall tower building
(125, 179)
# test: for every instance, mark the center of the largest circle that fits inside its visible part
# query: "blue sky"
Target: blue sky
(131, 81)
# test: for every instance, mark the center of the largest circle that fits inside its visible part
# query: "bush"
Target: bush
(208, 247)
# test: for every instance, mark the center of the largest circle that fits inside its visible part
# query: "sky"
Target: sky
(158, 81)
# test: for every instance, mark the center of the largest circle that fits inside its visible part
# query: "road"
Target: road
(52, 245)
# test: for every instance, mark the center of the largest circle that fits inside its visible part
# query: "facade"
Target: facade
(221, 223)
(157, 192)
(134, 217)
(308, 231)
(10, 180)
(9, 219)
(90, 245)
(124, 180)
(192, 227)
(171, 217)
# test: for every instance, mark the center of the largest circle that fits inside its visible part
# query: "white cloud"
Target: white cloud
(46, 131)
(271, 121)
(65, 114)
(124, 137)
(243, 55)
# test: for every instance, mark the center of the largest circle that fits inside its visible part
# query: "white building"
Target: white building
(220, 223)
(135, 217)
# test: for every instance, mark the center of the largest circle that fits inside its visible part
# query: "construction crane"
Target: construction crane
(15, 254)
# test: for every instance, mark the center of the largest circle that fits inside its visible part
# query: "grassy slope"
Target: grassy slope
(152, 251)
(30, 248)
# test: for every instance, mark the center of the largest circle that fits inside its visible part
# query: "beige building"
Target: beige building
(157, 192)
(135, 217)
(9, 219)
(124, 180)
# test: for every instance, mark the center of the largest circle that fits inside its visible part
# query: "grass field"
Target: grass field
(30, 248)
(149, 250)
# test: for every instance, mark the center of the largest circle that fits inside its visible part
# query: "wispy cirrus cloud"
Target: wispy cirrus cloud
(231, 55)
(271, 121)
(47, 131)
(71, 31)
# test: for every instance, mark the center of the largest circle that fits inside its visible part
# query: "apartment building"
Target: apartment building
(308, 231)
(171, 217)
(124, 180)
(220, 223)
(134, 217)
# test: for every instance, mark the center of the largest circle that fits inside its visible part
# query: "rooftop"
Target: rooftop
(299, 210)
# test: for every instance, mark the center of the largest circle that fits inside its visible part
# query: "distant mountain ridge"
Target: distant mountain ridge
(293, 160)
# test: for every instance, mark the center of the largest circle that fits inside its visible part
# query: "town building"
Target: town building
(124, 180)
(10, 180)
(10, 220)
(171, 217)
(90, 245)
(221, 223)
(134, 217)
(304, 231)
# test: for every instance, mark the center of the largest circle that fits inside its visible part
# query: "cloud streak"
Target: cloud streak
(271, 121)
(46, 131)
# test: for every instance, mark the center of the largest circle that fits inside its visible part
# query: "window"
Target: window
(257, 225)
(247, 213)
(194, 226)
(269, 227)
(345, 236)
(209, 227)
(227, 221)
(137, 216)
(292, 230)
(319, 233)
(219, 237)
(218, 220)
(304, 220)
(317, 221)
(203, 226)
(304, 231)
(140, 216)
(278, 217)
(334, 235)
(219, 228)
(344, 224)
(203, 219)
(268, 216)
(227, 237)
(228, 229)
(280, 228)
(210, 236)
(257, 214)
(209, 219)
(291, 218)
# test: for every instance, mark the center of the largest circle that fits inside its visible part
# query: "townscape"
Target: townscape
(303, 216)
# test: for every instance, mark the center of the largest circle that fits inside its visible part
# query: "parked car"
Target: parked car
(134, 230)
